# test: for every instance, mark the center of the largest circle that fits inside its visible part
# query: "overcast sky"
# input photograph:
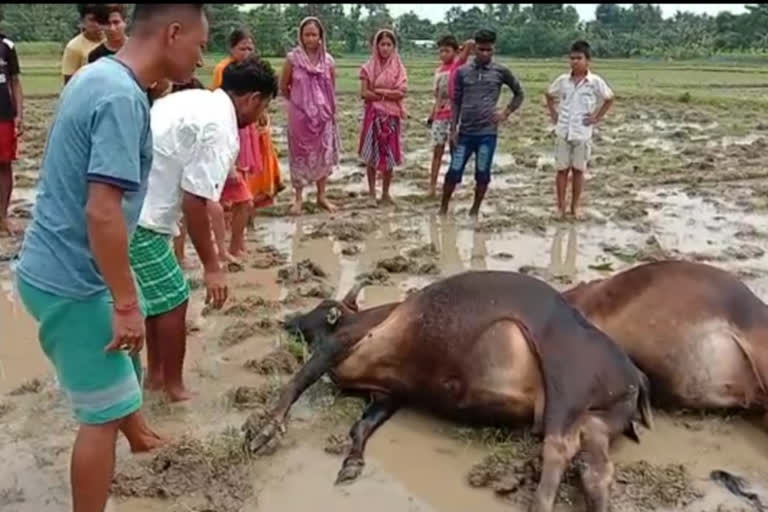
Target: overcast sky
(436, 12)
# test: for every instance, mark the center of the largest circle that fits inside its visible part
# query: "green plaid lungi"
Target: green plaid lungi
(162, 284)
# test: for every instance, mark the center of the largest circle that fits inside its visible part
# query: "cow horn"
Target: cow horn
(351, 298)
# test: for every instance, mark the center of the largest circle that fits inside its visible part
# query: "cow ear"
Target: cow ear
(333, 316)
(350, 300)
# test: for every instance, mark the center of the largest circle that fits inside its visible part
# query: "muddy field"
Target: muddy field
(672, 179)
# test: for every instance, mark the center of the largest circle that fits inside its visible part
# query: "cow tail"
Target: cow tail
(644, 400)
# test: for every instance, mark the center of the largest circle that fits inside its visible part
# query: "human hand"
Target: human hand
(18, 125)
(215, 288)
(128, 329)
(500, 116)
(591, 119)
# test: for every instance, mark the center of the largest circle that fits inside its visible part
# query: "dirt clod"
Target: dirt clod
(514, 472)
(212, 473)
(305, 270)
(337, 444)
(30, 387)
(236, 333)
(280, 361)
(269, 257)
(249, 397)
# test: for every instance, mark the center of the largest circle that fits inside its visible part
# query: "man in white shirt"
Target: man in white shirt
(579, 94)
(195, 145)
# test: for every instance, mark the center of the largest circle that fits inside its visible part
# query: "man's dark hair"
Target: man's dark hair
(238, 35)
(143, 13)
(582, 46)
(99, 11)
(448, 41)
(192, 83)
(252, 74)
(118, 8)
(485, 36)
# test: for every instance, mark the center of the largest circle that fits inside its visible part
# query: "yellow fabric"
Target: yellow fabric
(264, 185)
(218, 73)
(76, 54)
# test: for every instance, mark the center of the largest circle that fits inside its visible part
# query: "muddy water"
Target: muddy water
(415, 462)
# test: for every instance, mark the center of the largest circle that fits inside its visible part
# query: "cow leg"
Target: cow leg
(376, 414)
(324, 358)
(538, 413)
(595, 465)
(557, 452)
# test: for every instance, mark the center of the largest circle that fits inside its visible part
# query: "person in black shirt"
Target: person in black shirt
(11, 99)
(115, 32)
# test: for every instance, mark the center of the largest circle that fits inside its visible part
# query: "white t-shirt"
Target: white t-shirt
(576, 102)
(195, 144)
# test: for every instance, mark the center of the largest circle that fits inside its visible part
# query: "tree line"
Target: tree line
(538, 30)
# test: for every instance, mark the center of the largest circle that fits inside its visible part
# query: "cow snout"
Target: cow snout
(290, 322)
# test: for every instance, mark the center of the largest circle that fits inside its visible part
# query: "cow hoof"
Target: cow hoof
(255, 439)
(350, 471)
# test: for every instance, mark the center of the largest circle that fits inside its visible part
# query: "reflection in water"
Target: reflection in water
(557, 265)
(450, 259)
(479, 251)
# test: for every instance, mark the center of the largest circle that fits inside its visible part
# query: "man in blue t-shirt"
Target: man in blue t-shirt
(74, 275)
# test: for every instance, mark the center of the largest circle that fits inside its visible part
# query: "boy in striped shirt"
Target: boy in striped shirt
(579, 94)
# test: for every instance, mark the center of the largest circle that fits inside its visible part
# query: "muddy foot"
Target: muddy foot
(350, 471)
(387, 201)
(180, 394)
(372, 202)
(474, 213)
(326, 205)
(295, 209)
(154, 384)
(147, 443)
(257, 438)
(227, 258)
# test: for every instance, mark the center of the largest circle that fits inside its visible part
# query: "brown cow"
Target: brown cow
(492, 347)
(698, 332)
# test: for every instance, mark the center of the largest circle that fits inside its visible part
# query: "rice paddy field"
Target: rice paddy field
(679, 171)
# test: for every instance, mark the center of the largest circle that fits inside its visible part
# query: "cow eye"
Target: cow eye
(333, 316)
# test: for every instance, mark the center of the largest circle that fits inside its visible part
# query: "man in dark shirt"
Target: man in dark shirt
(477, 88)
(11, 110)
(115, 32)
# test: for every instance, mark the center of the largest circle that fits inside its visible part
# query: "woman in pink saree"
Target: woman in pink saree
(308, 83)
(384, 84)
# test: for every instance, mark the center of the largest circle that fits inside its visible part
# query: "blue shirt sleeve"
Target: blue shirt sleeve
(116, 135)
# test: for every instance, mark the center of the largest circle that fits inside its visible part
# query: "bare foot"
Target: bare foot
(474, 214)
(295, 209)
(226, 257)
(372, 202)
(147, 444)
(326, 205)
(141, 437)
(443, 212)
(179, 393)
(432, 192)
(387, 200)
(154, 384)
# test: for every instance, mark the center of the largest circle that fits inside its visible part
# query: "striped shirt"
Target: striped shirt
(576, 101)
(476, 92)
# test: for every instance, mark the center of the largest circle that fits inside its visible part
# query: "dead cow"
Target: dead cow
(697, 331)
(482, 346)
